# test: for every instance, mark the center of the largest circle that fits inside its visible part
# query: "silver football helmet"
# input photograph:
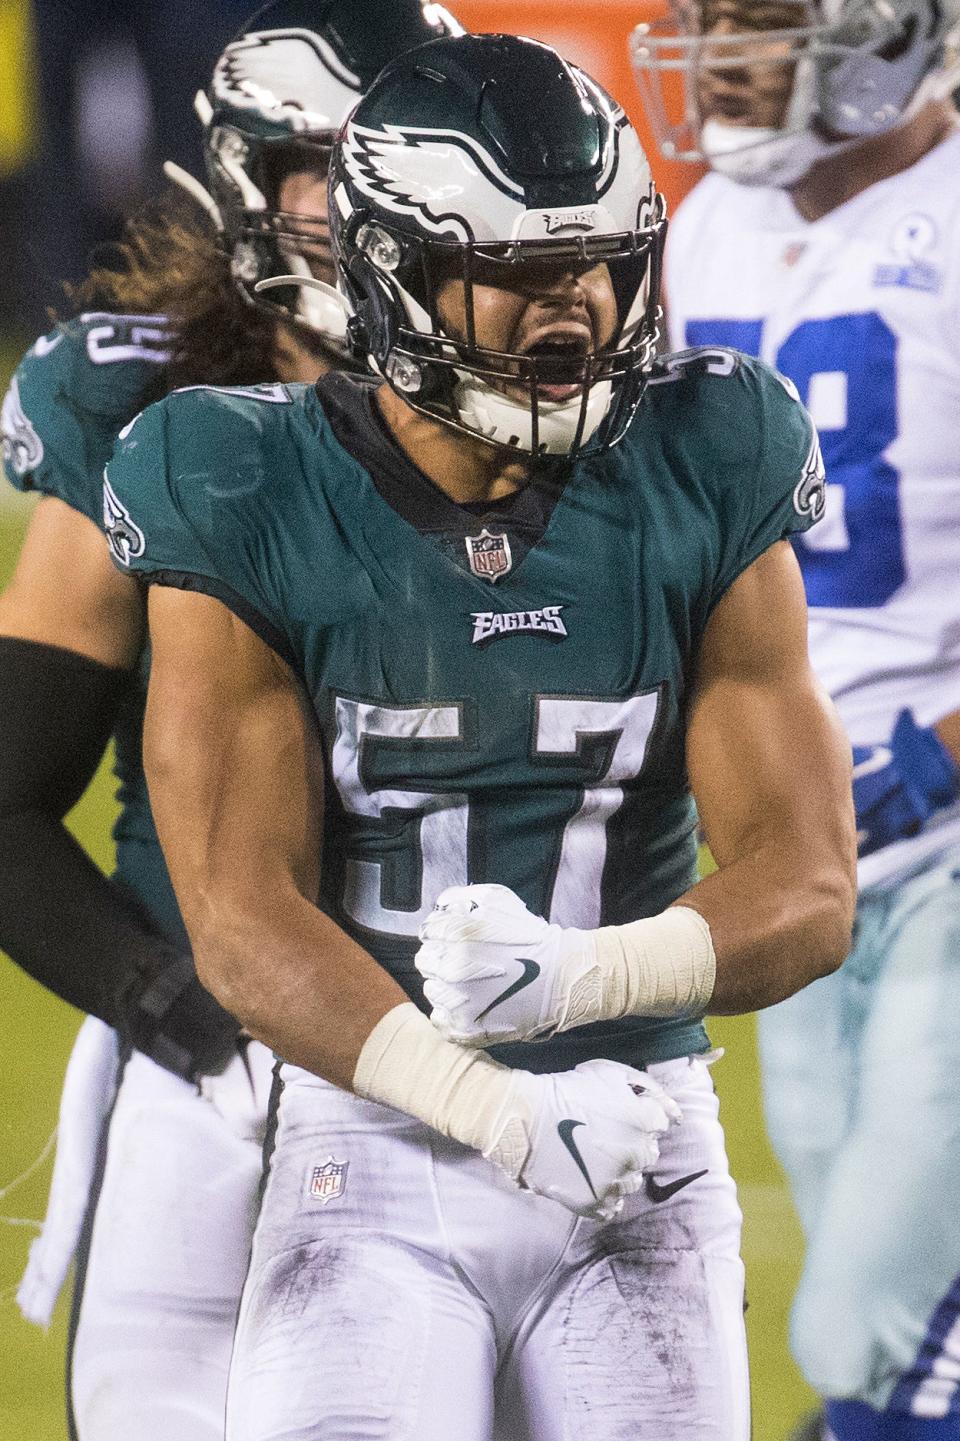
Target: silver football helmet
(852, 68)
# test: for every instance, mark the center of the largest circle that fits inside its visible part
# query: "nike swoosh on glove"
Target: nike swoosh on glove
(584, 1138)
(899, 786)
(495, 972)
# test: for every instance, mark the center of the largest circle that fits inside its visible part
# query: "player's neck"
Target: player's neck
(838, 178)
(295, 359)
(466, 469)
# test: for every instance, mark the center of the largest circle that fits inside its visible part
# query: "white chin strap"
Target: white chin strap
(178, 176)
(320, 305)
(509, 423)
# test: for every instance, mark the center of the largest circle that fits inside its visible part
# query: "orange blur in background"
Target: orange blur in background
(594, 34)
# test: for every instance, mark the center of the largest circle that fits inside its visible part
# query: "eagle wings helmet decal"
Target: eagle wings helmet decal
(265, 70)
(455, 188)
(447, 180)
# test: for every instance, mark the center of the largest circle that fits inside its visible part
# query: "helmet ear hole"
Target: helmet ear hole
(373, 308)
(358, 341)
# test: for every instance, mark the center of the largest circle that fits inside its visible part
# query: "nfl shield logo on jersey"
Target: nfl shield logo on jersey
(489, 555)
(329, 1181)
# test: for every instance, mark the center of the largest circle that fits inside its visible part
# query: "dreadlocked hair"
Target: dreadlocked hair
(169, 262)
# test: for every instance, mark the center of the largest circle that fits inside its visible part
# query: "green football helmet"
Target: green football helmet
(279, 93)
(487, 156)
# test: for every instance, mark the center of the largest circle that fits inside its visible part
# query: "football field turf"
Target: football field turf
(36, 1032)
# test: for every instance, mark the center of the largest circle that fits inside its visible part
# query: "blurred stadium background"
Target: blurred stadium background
(78, 176)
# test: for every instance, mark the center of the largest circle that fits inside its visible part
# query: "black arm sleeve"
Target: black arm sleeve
(61, 919)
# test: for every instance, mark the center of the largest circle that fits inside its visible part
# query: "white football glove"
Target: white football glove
(241, 1092)
(583, 1137)
(495, 972)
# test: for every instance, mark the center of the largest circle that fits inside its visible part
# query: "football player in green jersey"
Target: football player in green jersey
(166, 1244)
(478, 633)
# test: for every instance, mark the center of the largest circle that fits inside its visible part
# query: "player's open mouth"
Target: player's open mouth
(559, 359)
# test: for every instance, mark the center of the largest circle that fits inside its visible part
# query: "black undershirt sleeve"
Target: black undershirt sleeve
(62, 920)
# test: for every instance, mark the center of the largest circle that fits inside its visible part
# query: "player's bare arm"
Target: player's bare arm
(770, 769)
(235, 773)
(65, 592)
(236, 785)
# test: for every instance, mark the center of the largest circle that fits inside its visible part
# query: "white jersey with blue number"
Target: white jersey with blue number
(861, 309)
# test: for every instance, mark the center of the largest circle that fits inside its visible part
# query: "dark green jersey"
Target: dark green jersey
(71, 394)
(501, 696)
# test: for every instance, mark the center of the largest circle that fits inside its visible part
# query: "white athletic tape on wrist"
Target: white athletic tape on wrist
(406, 1063)
(662, 966)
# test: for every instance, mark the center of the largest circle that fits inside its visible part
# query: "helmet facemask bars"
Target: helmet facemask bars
(456, 379)
(273, 247)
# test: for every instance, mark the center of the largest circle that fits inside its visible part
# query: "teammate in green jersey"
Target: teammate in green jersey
(481, 632)
(166, 1239)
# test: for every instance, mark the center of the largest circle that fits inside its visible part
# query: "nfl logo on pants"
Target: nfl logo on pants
(327, 1182)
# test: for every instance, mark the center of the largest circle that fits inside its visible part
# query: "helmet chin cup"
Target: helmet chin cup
(767, 157)
(324, 313)
(506, 422)
(753, 156)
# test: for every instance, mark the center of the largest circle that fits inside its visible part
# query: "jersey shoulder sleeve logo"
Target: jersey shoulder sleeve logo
(44, 345)
(126, 539)
(22, 446)
(810, 492)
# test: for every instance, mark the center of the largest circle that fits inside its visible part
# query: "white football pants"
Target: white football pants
(863, 1108)
(400, 1287)
(160, 1272)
